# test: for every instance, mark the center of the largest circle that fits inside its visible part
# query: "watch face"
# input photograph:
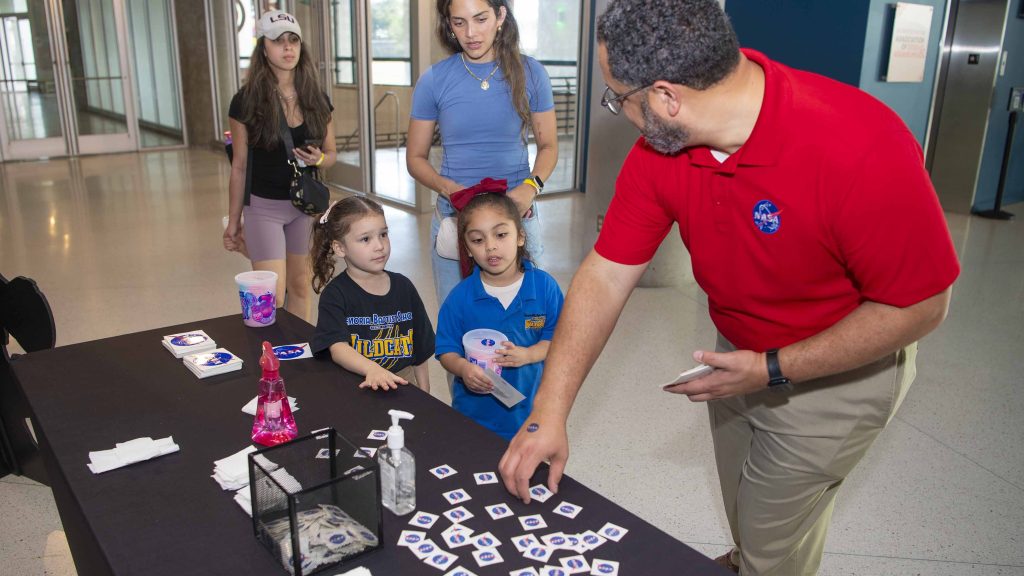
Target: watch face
(540, 183)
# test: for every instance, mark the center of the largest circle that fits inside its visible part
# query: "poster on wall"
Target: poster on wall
(910, 30)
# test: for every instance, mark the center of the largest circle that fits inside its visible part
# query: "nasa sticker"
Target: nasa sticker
(425, 549)
(189, 339)
(553, 571)
(459, 514)
(612, 532)
(486, 540)
(575, 564)
(485, 478)
(592, 539)
(522, 572)
(498, 511)
(411, 537)
(440, 559)
(214, 359)
(377, 435)
(459, 572)
(604, 567)
(423, 519)
(457, 539)
(540, 493)
(766, 217)
(568, 509)
(525, 542)
(532, 522)
(292, 351)
(487, 556)
(456, 496)
(443, 471)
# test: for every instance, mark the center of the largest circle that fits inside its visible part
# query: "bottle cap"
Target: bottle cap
(269, 362)
(396, 435)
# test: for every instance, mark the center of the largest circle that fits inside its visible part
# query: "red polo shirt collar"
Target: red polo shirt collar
(763, 146)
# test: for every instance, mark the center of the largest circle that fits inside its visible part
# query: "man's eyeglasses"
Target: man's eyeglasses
(613, 101)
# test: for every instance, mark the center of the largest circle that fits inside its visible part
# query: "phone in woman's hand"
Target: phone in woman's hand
(310, 144)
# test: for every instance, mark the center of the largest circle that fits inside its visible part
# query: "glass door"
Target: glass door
(30, 112)
(64, 79)
(97, 64)
(346, 75)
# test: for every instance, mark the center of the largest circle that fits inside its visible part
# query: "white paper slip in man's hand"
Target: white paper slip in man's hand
(699, 371)
(503, 391)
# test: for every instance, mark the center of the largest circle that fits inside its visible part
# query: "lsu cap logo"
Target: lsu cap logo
(766, 217)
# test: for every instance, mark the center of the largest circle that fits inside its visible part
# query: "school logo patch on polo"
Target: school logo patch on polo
(535, 322)
(766, 217)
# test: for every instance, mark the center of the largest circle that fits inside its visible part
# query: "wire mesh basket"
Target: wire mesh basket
(314, 495)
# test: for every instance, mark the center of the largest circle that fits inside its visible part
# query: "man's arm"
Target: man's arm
(868, 333)
(592, 307)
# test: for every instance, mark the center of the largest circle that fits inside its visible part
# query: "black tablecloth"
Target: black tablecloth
(168, 516)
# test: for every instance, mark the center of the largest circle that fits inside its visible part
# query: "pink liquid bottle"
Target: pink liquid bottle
(274, 423)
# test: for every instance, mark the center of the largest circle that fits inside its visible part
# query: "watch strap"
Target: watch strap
(539, 182)
(775, 377)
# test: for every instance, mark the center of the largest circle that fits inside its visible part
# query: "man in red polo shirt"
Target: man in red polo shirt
(818, 238)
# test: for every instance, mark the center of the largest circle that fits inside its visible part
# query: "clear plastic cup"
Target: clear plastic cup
(257, 293)
(480, 345)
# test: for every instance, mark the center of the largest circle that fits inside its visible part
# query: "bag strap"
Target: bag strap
(248, 179)
(286, 136)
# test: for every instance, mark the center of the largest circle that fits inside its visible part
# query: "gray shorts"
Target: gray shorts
(274, 228)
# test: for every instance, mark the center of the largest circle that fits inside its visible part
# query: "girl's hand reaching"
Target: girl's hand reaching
(512, 356)
(381, 379)
(474, 378)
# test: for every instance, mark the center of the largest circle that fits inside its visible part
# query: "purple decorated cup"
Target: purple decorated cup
(256, 292)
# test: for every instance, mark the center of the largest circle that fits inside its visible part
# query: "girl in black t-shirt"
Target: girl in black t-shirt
(372, 322)
(281, 83)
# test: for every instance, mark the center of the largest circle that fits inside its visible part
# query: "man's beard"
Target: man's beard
(661, 135)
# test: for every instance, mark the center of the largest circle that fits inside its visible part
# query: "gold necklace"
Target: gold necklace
(484, 84)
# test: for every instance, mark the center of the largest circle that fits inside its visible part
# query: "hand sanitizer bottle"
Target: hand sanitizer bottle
(397, 469)
(274, 422)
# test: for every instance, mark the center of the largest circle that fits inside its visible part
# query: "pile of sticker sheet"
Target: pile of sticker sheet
(326, 535)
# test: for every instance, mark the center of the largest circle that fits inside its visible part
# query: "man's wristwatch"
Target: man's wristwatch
(539, 182)
(776, 381)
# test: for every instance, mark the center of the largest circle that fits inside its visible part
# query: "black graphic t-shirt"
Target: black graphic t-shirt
(393, 330)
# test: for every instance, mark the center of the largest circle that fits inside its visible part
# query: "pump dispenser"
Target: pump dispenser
(274, 422)
(397, 469)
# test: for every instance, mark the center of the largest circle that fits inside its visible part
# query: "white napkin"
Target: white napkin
(250, 408)
(130, 452)
(244, 499)
(232, 472)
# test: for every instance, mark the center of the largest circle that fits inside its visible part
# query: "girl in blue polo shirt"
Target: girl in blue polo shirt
(507, 293)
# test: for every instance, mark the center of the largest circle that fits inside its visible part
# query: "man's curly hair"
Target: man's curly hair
(688, 42)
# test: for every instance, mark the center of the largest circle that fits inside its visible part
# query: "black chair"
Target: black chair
(24, 314)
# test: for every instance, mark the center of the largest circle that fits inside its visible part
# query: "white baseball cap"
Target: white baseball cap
(273, 23)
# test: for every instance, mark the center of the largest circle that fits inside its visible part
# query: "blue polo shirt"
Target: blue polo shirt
(530, 318)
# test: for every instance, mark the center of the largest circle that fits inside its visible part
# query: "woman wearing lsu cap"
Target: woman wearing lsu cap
(484, 98)
(281, 81)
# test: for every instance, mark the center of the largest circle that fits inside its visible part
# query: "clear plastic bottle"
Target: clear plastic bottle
(274, 422)
(397, 469)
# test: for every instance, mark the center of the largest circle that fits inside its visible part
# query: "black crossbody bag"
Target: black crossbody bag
(307, 192)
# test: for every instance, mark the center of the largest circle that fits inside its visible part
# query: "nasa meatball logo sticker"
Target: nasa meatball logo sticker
(766, 217)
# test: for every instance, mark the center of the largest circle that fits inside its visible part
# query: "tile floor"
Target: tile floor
(132, 242)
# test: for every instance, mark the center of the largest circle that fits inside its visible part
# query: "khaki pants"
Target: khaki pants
(783, 456)
(408, 374)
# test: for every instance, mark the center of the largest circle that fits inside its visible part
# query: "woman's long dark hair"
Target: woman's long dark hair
(506, 47)
(261, 106)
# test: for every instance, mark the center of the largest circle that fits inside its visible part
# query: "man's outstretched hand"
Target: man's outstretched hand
(535, 442)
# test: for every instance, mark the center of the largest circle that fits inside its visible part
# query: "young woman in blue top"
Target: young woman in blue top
(484, 98)
(506, 293)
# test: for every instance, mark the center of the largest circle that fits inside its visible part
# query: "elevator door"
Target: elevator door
(958, 132)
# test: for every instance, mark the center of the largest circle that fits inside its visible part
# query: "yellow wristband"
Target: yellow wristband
(532, 183)
(320, 161)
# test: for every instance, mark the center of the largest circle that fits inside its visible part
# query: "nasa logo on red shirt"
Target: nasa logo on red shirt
(766, 217)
